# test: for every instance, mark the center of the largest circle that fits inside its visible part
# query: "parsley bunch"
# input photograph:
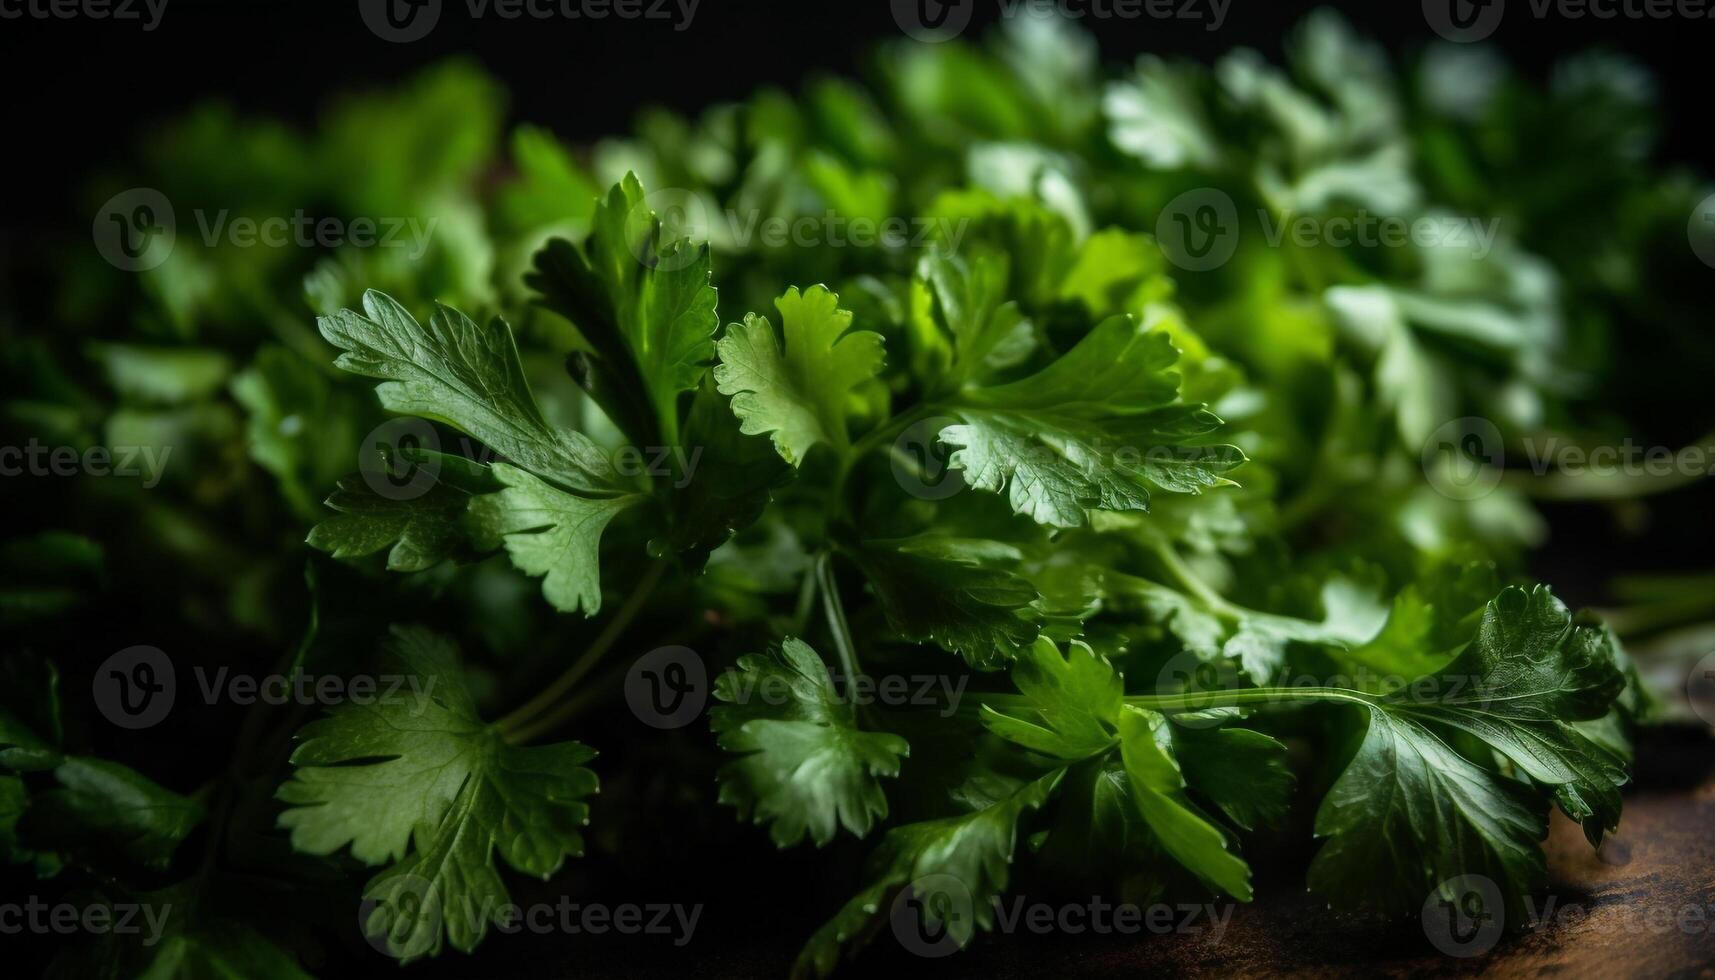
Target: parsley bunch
(1149, 520)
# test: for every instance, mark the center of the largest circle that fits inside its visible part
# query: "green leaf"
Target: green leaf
(1242, 772)
(1352, 615)
(797, 391)
(300, 427)
(548, 532)
(1526, 676)
(467, 376)
(551, 188)
(1409, 815)
(963, 302)
(1410, 812)
(975, 849)
(162, 376)
(964, 595)
(804, 765)
(101, 809)
(734, 476)
(420, 782)
(1158, 790)
(1158, 117)
(421, 530)
(1075, 702)
(1095, 429)
(644, 305)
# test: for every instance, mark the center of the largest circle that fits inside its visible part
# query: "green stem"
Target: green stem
(806, 601)
(836, 613)
(516, 726)
(1205, 700)
(1191, 584)
(869, 442)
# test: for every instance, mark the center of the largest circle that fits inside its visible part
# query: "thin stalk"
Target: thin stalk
(806, 602)
(515, 726)
(1189, 582)
(836, 613)
(869, 442)
(1204, 700)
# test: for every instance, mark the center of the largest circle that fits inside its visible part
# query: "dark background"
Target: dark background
(78, 93)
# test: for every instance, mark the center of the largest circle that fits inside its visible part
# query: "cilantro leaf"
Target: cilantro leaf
(548, 532)
(420, 531)
(974, 849)
(421, 783)
(1158, 117)
(1092, 430)
(1528, 674)
(796, 390)
(804, 765)
(97, 813)
(1074, 702)
(1073, 710)
(1242, 772)
(1158, 789)
(467, 376)
(643, 304)
(1411, 812)
(960, 304)
(962, 594)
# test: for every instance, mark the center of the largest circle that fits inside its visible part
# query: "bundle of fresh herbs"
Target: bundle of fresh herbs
(1131, 412)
